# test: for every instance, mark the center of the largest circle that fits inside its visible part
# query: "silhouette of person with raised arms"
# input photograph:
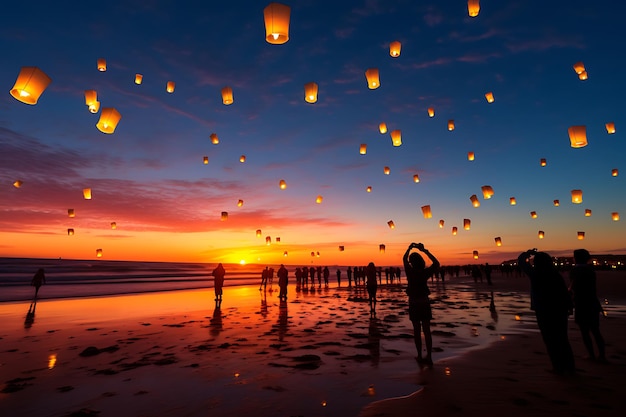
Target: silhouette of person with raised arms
(218, 282)
(420, 312)
(552, 304)
(38, 280)
(587, 307)
(372, 286)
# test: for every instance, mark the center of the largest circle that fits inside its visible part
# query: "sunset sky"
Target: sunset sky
(149, 176)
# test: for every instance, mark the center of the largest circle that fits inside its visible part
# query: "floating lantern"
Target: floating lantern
(363, 149)
(109, 118)
(614, 172)
(396, 137)
(583, 76)
(310, 92)
(319, 199)
(416, 178)
(171, 85)
(473, 7)
(71, 213)
(369, 189)
(470, 156)
(381, 248)
(487, 191)
(467, 224)
(577, 196)
(441, 223)
(498, 241)
(268, 240)
(87, 193)
(615, 216)
(386, 170)
(282, 184)
(70, 232)
(394, 49)
(239, 203)
(313, 254)
(17, 183)
(258, 233)
(556, 203)
(278, 240)
(113, 225)
(533, 214)
(474, 200)
(214, 139)
(242, 159)
(382, 128)
(373, 79)
(138, 79)
(512, 201)
(475, 254)
(431, 112)
(317, 254)
(577, 136)
(450, 125)
(99, 253)
(227, 96)
(541, 234)
(610, 128)
(205, 160)
(95, 107)
(276, 18)
(587, 212)
(489, 97)
(581, 235)
(454, 230)
(391, 224)
(285, 253)
(341, 248)
(102, 64)
(29, 85)
(224, 216)
(543, 162)
(427, 212)
(579, 67)
(91, 100)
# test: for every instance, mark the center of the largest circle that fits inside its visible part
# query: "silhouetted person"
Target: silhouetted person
(319, 276)
(312, 275)
(218, 282)
(372, 286)
(476, 274)
(488, 273)
(326, 275)
(552, 304)
(339, 277)
(298, 274)
(264, 277)
(38, 280)
(283, 280)
(349, 273)
(587, 307)
(420, 312)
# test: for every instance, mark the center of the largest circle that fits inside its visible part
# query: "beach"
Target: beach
(317, 354)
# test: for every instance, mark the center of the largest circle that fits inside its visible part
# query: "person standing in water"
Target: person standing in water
(372, 286)
(218, 282)
(38, 280)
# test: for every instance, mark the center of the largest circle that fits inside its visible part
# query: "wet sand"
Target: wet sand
(318, 354)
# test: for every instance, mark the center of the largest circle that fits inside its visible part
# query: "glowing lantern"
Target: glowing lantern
(396, 137)
(109, 118)
(541, 234)
(282, 184)
(138, 79)
(70, 232)
(454, 230)
(285, 253)
(94, 107)
(214, 139)
(258, 233)
(87, 193)
(242, 159)
(99, 253)
(615, 216)
(577, 196)
(533, 214)
(205, 160)
(441, 223)
(373, 80)
(474, 200)
(224, 216)
(381, 248)
(577, 136)
(489, 97)
(475, 254)
(268, 240)
(386, 170)
(276, 17)
(614, 172)
(391, 224)
(310, 92)
(363, 149)
(71, 213)
(416, 178)
(91, 100)
(171, 85)
(341, 248)
(29, 85)
(581, 235)
(450, 125)
(556, 203)
(427, 212)
(579, 67)
(227, 96)
(587, 212)
(369, 189)
(498, 241)
(394, 49)
(313, 254)
(487, 191)
(17, 183)
(319, 199)
(239, 203)
(382, 128)
(543, 162)
(610, 128)
(583, 76)
(470, 156)
(467, 224)
(512, 201)
(431, 112)
(473, 7)
(113, 225)
(102, 64)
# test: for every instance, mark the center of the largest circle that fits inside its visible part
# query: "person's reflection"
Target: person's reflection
(492, 309)
(264, 304)
(216, 322)
(374, 336)
(30, 315)
(283, 320)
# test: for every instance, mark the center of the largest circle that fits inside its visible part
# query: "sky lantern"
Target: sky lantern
(396, 137)
(239, 203)
(373, 78)
(614, 172)
(427, 212)
(579, 67)
(369, 189)
(583, 76)
(138, 79)
(581, 235)
(29, 85)
(470, 156)
(87, 193)
(543, 162)
(342, 248)
(224, 216)
(98, 253)
(473, 7)
(258, 232)
(454, 230)
(205, 160)
(171, 85)
(610, 128)
(441, 223)
(109, 118)
(113, 225)
(91, 101)
(214, 139)
(227, 96)
(242, 159)
(310, 92)
(363, 149)
(533, 214)
(386, 170)
(487, 191)
(475, 254)
(319, 199)
(615, 216)
(312, 254)
(450, 125)
(587, 212)
(268, 240)
(577, 196)
(276, 16)
(102, 64)
(577, 136)
(474, 200)
(394, 49)
(285, 253)
(17, 183)
(489, 97)
(282, 184)
(498, 241)
(382, 128)
(391, 224)
(541, 234)
(512, 201)
(416, 178)
(381, 248)
(71, 213)
(556, 203)
(467, 224)
(70, 232)
(431, 112)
